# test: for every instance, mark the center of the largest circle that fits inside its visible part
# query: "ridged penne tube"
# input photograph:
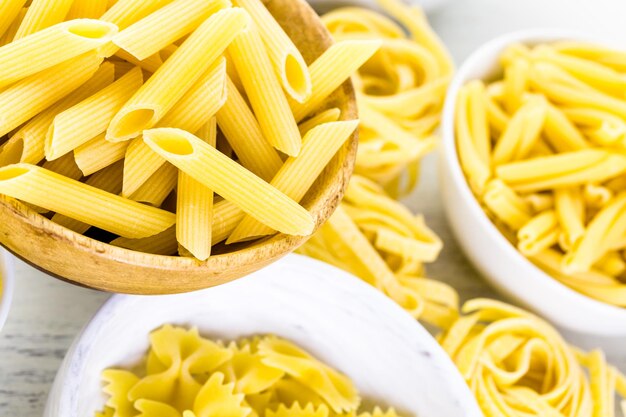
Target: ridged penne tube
(242, 130)
(32, 95)
(298, 173)
(331, 69)
(570, 210)
(79, 201)
(86, 9)
(327, 116)
(89, 118)
(109, 180)
(477, 171)
(522, 132)
(264, 92)
(9, 11)
(98, 153)
(42, 14)
(166, 25)
(156, 189)
(194, 206)
(562, 170)
(126, 12)
(539, 233)
(28, 143)
(194, 109)
(228, 179)
(51, 46)
(179, 73)
(66, 166)
(287, 60)
(150, 64)
(506, 205)
(603, 230)
(10, 32)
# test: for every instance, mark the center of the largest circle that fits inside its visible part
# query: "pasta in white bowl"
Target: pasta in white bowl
(496, 258)
(333, 316)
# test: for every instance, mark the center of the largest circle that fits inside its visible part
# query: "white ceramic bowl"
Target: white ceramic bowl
(338, 318)
(7, 276)
(492, 254)
(323, 6)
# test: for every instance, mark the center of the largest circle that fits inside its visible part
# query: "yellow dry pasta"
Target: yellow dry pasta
(98, 154)
(10, 32)
(28, 143)
(265, 94)
(187, 375)
(42, 14)
(228, 179)
(170, 82)
(89, 118)
(193, 110)
(9, 12)
(287, 61)
(298, 174)
(52, 46)
(557, 129)
(194, 206)
(126, 12)
(156, 189)
(79, 201)
(90, 9)
(149, 35)
(30, 96)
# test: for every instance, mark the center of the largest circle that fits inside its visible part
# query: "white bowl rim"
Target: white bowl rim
(7, 273)
(60, 394)
(449, 153)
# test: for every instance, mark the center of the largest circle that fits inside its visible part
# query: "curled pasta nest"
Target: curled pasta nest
(380, 241)
(186, 375)
(518, 365)
(542, 148)
(400, 90)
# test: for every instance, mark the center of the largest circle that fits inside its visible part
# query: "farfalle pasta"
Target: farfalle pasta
(379, 240)
(400, 90)
(516, 364)
(542, 148)
(186, 375)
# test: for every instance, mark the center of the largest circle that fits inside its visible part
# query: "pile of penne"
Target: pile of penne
(544, 149)
(174, 125)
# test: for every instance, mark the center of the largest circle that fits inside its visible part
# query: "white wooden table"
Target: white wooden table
(47, 313)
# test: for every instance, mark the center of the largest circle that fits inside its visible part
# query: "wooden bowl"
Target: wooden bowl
(91, 263)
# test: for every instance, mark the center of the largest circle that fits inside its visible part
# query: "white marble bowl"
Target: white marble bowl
(338, 318)
(7, 278)
(492, 254)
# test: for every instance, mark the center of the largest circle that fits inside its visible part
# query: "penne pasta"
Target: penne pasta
(10, 32)
(52, 46)
(66, 166)
(287, 61)
(170, 82)
(228, 179)
(9, 12)
(331, 69)
(42, 14)
(82, 202)
(28, 143)
(89, 118)
(242, 130)
(109, 180)
(86, 9)
(156, 189)
(156, 31)
(266, 97)
(193, 110)
(298, 174)
(327, 116)
(126, 12)
(194, 206)
(98, 153)
(31, 95)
